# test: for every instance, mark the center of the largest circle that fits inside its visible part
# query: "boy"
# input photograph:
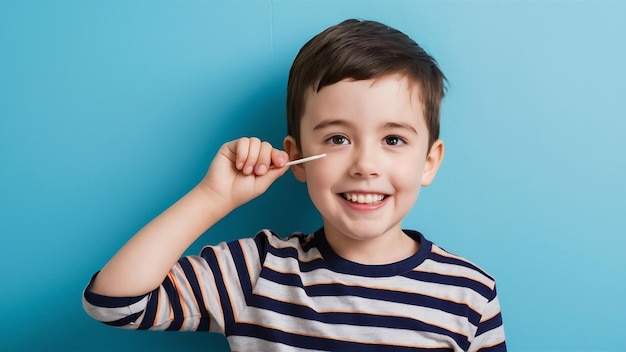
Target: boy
(368, 97)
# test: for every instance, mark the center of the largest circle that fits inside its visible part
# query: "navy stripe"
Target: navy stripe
(476, 286)
(501, 347)
(314, 264)
(262, 244)
(358, 319)
(494, 322)
(124, 321)
(288, 279)
(175, 305)
(291, 252)
(305, 241)
(204, 324)
(454, 261)
(340, 290)
(319, 343)
(108, 302)
(208, 253)
(191, 276)
(151, 310)
(341, 265)
(285, 252)
(242, 270)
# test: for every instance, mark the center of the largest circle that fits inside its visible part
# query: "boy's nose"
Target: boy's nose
(365, 163)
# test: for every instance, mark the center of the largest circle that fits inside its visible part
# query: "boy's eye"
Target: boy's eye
(394, 140)
(338, 139)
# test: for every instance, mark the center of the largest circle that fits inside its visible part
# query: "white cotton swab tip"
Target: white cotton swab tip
(304, 160)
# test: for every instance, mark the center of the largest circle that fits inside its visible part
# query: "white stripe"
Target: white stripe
(209, 292)
(344, 332)
(231, 279)
(108, 315)
(189, 305)
(244, 343)
(396, 283)
(352, 304)
(432, 266)
(251, 255)
(294, 242)
(488, 339)
(164, 311)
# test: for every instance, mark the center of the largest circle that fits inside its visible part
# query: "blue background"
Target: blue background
(111, 111)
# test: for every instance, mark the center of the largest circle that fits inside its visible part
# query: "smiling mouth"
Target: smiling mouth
(363, 198)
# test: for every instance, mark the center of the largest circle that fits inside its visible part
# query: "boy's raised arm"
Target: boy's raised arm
(241, 171)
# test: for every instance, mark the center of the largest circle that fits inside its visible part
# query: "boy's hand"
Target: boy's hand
(244, 169)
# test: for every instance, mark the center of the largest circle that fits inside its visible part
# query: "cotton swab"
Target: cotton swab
(304, 160)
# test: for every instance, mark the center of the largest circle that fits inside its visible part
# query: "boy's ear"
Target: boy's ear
(433, 160)
(292, 149)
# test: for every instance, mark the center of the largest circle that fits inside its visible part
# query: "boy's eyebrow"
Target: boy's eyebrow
(405, 126)
(328, 123)
(344, 123)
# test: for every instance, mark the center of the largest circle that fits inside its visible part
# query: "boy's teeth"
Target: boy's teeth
(363, 198)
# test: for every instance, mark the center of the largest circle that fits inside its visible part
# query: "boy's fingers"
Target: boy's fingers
(252, 156)
(264, 159)
(279, 158)
(242, 146)
(272, 174)
(276, 172)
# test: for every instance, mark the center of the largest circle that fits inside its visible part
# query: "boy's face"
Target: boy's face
(376, 140)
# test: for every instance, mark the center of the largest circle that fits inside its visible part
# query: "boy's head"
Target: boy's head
(362, 50)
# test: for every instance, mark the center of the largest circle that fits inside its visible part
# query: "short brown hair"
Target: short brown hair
(362, 50)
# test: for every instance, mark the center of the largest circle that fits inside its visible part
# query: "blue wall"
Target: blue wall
(110, 111)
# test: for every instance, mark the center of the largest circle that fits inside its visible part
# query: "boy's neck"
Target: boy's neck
(390, 248)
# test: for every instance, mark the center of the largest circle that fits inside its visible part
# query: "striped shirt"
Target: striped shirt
(295, 294)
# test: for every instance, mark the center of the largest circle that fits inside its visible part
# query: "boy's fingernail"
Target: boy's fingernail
(280, 162)
(261, 169)
(248, 170)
